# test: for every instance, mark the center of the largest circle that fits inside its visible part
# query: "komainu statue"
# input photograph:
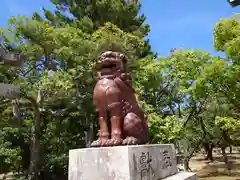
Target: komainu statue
(114, 97)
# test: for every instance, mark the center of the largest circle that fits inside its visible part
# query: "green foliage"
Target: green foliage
(164, 130)
(124, 14)
(226, 36)
(89, 16)
(110, 37)
(227, 123)
(11, 140)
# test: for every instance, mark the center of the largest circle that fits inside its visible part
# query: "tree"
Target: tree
(189, 84)
(91, 15)
(123, 14)
(226, 39)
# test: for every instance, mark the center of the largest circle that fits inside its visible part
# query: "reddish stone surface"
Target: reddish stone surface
(114, 94)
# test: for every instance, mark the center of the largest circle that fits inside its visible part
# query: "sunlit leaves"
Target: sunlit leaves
(59, 81)
(164, 130)
(10, 154)
(227, 123)
(227, 39)
(226, 31)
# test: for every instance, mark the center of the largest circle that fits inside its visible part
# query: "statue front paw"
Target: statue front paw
(100, 143)
(115, 141)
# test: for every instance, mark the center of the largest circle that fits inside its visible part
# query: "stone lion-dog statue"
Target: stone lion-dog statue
(114, 97)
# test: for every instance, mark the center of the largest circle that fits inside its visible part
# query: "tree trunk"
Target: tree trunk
(188, 154)
(186, 163)
(209, 153)
(33, 173)
(208, 149)
(89, 135)
(228, 166)
(230, 149)
(224, 144)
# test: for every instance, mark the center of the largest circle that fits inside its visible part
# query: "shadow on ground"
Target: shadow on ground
(216, 170)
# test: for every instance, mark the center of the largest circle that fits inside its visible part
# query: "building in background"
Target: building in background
(10, 59)
(234, 3)
(9, 91)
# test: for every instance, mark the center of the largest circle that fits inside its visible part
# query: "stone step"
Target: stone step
(182, 176)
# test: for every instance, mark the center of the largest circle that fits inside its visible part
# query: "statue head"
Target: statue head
(111, 63)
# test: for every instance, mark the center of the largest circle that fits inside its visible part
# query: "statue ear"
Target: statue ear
(122, 76)
(98, 76)
(123, 58)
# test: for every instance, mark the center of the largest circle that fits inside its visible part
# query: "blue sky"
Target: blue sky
(174, 23)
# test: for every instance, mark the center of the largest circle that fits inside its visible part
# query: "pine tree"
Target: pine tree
(89, 15)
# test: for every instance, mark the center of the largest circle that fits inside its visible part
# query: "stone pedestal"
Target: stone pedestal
(145, 162)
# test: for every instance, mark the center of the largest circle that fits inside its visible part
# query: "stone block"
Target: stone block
(144, 162)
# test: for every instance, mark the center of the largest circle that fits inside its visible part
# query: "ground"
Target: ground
(216, 170)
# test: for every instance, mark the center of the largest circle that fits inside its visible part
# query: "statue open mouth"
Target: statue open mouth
(107, 68)
(108, 65)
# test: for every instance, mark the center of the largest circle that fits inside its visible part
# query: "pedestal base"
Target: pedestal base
(144, 162)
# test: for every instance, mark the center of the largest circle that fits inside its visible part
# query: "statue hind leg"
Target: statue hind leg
(135, 130)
